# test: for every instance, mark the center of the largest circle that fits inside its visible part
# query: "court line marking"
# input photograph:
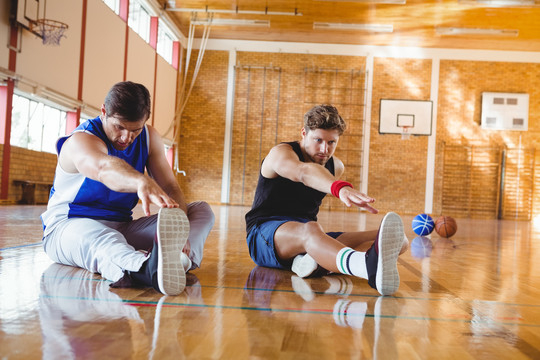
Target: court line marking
(404, 263)
(323, 293)
(21, 246)
(287, 310)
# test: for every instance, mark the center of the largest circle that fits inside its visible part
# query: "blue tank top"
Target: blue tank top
(74, 195)
(283, 197)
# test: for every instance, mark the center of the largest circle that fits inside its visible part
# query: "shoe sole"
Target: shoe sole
(304, 266)
(172, 234)
(390, 243)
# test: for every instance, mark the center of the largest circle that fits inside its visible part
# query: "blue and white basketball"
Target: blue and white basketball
(423, 224)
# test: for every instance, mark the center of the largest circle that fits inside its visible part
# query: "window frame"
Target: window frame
(37, 115)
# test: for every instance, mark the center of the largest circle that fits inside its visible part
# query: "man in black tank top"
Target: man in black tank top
(282, 228)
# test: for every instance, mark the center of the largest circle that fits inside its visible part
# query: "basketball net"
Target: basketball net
(51, 31)
(405, 133)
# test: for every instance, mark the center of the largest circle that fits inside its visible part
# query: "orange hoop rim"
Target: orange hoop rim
(51, 31)
(47, 24)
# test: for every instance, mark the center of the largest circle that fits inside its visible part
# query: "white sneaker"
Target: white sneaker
(186, 261)
(381, 258)
(172, 234)
(405, 240)
(304, 265)
(406, 244)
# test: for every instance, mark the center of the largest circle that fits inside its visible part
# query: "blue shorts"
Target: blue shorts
(260, 240)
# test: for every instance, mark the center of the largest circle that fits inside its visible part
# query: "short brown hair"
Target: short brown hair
(128, 101)
(324, 117)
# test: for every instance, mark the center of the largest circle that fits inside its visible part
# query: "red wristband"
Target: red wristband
(337, 185)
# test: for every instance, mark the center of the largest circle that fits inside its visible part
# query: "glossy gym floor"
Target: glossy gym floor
(473, 296)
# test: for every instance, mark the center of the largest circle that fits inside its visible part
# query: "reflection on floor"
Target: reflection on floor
(474, 295)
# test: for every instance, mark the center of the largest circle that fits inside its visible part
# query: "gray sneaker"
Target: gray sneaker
(164, 270)
(381, 258)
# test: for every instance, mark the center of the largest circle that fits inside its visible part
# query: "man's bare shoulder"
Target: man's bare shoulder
(81, 140)
(280, 158)
(282, 147)
(81, 143)
(281, 151)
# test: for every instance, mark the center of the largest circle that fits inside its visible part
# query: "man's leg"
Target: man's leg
(141, 232)
(378, 264)
(163, 269)
(293, 238)
(201, 220)
(94, 246)
(363, 240)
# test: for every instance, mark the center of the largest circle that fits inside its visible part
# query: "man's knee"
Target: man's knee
(312, 230)
(201, 211)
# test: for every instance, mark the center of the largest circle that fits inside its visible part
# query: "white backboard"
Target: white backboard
(412, 117)
(29, 10)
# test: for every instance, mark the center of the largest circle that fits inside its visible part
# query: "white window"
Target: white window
(114, 5)
(139, 20)
(35, 125)
(165, 42)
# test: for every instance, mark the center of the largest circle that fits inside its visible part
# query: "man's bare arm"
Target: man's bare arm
(87, 154)
(160, 169)
(283, 161)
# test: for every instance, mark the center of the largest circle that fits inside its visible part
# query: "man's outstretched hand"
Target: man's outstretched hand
(350, 196)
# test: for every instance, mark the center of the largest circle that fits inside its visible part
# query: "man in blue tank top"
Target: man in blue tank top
(100, 177)
(282, 228)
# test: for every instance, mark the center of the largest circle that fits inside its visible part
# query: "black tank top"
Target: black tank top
(282, 197)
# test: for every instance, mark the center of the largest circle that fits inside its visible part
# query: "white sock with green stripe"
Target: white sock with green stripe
(352, 262)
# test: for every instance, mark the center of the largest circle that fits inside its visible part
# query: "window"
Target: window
(35, 125)
(139, 20)
(165, 42)
(114, 5)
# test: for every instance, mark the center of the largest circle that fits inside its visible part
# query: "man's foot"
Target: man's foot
(304, 265)
(186, 262)
(164, 270)
(405, 245)
(381, 258)
(172, 234)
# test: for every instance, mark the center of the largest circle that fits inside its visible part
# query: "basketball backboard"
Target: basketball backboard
(28, 11)
(412, 117)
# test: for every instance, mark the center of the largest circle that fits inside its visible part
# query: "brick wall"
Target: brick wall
(274, 90)
(397, 168)
(30, 165)
(202, 129)
(477, 191)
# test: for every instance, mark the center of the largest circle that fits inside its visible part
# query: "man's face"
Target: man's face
(120, 132)
(319, 144)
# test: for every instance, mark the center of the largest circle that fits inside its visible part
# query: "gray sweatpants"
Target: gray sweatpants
(109, 247)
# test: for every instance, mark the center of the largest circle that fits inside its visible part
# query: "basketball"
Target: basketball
(446, 226)
(422, 224)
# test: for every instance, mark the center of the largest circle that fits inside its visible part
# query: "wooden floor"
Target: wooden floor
(474, 296)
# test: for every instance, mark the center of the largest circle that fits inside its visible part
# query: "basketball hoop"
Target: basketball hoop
(51, 31)
(405, 133)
